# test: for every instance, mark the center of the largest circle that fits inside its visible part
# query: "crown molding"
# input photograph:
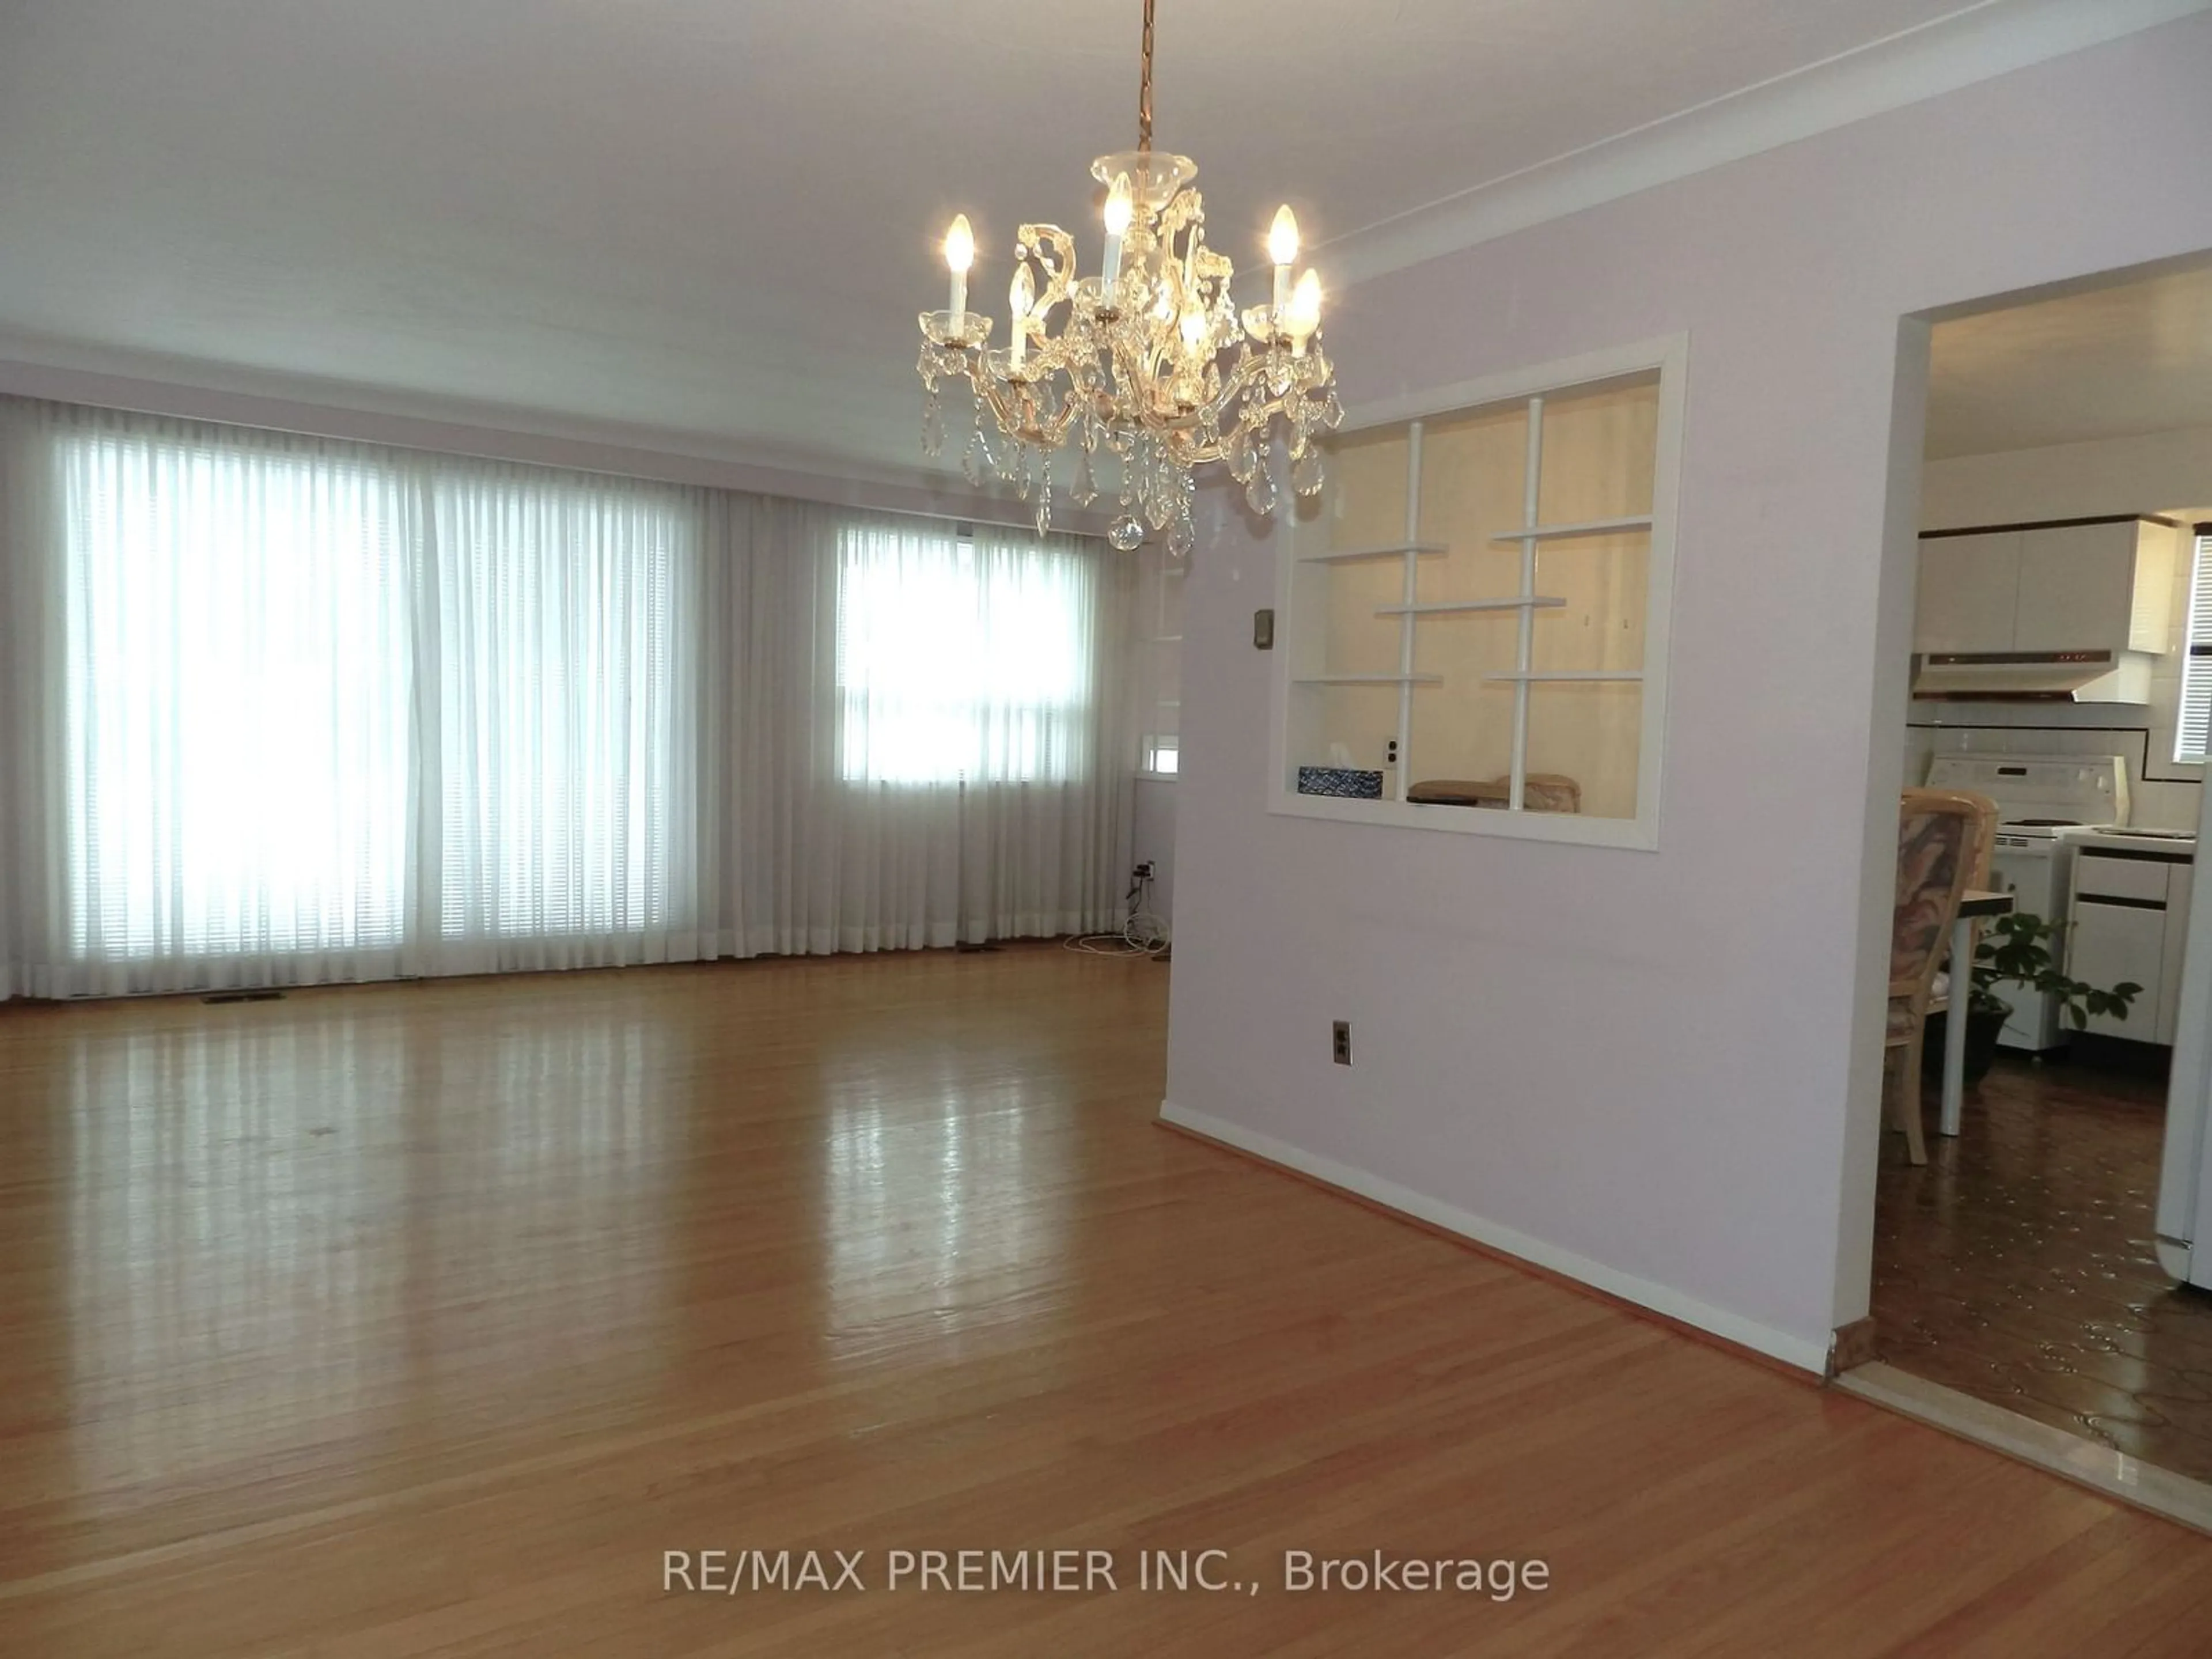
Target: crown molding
(1984, 41)
(190, 389)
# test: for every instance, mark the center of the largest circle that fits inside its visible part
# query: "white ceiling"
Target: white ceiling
(717, 217)
(2114, 362)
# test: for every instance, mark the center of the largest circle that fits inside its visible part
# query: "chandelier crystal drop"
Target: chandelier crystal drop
(1150, 360)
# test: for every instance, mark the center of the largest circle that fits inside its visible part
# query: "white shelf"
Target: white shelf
(1555, 533)
(1445, 607)
(1396, 549)
(1369, 679)
(1563, 674)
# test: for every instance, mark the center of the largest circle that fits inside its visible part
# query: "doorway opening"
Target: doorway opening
(2043, 1261)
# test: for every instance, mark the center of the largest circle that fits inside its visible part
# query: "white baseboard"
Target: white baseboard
(1798, 1351)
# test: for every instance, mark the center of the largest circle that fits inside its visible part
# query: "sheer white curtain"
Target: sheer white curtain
(214, 663)
(930, 731)
(34, 776)
(275, 710)
(961, 658)
(567, 612)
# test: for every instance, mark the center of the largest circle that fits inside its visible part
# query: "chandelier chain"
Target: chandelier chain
(1145, 89)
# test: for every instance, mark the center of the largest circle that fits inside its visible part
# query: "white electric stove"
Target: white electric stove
(2043, 802)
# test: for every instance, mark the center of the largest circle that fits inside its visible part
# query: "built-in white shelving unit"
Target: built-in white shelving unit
(1525, 603)
(1409, 611)
(1394, 550)
(1560, 532)
(1550, 499)
(1369, 679)
(1445, 607)
(1544, 675)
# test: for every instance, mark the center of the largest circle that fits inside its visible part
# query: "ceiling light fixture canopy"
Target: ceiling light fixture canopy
(1150, 360)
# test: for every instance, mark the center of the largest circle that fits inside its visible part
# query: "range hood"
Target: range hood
(2034, 675)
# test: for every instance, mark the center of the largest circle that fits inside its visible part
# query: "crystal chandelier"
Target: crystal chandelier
(1149, 360)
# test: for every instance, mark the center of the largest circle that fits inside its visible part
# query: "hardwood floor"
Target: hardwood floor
(426, 1319)
(2017, 1265)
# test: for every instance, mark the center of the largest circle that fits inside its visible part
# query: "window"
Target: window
(283, 710)
(962, 656)
(238, 698)
(1476, 619)
(564, 690)
(314, 690)
(2193, 729)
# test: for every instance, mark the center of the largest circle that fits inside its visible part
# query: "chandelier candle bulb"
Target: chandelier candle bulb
(1120, 207)
(1304, 316)
(959, 254)
(1283, 249)
(1021, 296)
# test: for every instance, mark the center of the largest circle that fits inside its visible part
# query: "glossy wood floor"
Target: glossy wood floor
(424, 1319)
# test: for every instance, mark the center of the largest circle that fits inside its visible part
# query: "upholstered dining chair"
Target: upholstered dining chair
(1951, 975)
(1941, 835)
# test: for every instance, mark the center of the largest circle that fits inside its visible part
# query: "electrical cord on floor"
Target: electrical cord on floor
(1143, 932)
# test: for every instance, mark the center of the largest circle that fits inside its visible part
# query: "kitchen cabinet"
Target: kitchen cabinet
(2180, 895)
(1969, 593)
(2112, 944)
(2129, 920)
(2104, 586)
(2077, 586)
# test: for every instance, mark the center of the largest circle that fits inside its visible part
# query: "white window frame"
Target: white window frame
(2196, 655)
(1669, 356)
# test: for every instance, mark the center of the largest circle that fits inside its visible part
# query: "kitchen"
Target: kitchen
(2077, 630)
(2043, 1261)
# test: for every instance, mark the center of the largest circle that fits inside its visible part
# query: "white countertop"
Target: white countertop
(2171, 843)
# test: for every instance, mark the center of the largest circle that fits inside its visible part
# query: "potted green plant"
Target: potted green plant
(2016, 950)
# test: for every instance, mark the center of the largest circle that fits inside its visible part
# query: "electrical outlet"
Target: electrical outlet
(1390, 751)
(1142, 872)
(1340, 1041)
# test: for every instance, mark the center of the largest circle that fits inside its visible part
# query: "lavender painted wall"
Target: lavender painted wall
(1660, 1069)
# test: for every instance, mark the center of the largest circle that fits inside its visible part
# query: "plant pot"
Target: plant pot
(1983, 1031)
